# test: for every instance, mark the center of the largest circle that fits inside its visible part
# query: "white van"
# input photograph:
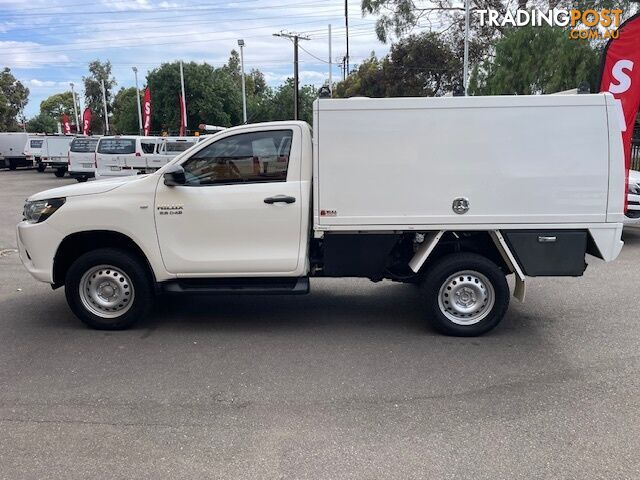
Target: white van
(123, 155)
(33, 150)
(82, 158)
(55, 153)
(167, 149)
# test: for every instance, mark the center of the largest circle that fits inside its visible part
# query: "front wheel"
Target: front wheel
(109, 289)
(467, 294)
(81, 179)
(41, 167)
(60, 172)
(13, 164)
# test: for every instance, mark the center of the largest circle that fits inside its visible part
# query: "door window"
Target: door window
(147, 147)
(245, 158)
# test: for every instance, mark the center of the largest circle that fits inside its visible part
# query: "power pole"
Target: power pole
(295, 37)
(330, 65)
(346, 24)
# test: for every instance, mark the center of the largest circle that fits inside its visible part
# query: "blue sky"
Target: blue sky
(48, 44)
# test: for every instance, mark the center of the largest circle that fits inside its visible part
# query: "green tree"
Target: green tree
(13, 98)
(533, 60)
(282, 102)
(42, 123)
(418, 65)
(213, 96)
(57, 105)
(125, 112)
(98, 72)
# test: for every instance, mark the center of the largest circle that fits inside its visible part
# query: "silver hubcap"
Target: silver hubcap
(466, 297)
(106, 291)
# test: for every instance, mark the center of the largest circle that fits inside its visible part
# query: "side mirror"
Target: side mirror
(174, 176)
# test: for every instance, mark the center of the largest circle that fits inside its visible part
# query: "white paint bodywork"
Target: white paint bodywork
(518, 160)
(125, 164)
(381, 165)
(12, 144)
(82, 162)
(55, 149)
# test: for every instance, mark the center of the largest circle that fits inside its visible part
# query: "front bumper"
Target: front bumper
(37, 246)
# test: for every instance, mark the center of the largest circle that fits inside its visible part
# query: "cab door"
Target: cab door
(240, 211)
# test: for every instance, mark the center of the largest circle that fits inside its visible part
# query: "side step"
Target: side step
(239, 286)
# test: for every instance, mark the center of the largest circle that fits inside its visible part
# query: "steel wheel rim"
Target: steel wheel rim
(106, 291)
(466, 297)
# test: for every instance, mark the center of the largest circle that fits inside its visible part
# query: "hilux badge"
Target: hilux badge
(170, 209)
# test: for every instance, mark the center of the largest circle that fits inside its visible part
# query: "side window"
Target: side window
(244, 158)
(147, 147)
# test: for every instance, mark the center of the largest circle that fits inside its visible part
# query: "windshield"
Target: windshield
(117, 146)
(84, 145)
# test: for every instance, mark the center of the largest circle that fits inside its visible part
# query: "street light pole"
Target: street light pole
(75, 108)
(244, 91)
(465, 73)
(106, 112)
(135, 73)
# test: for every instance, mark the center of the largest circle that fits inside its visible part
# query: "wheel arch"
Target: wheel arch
(79, 243)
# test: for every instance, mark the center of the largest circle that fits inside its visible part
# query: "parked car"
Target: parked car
(82, 158)
(12, 153)
(633, 198)
(124, 155)
(455, 197)
(55, 153)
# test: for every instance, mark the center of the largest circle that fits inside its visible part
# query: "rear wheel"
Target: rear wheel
(41, 167)
(467, 294)
(60, 172)
(81, 179)
(109, 289)
(13, 164)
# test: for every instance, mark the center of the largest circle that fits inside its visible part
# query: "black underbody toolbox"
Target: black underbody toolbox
(546, 253)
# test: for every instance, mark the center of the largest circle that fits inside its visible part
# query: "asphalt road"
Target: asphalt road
(346, 382)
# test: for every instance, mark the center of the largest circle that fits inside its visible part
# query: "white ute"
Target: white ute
(451, 193)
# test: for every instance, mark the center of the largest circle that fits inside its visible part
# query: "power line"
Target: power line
(167, 9)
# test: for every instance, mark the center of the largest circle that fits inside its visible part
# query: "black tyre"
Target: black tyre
(41, 167)
(60, 172)
(467, 294)
(81, 179)
(109, 289)
(13, 164)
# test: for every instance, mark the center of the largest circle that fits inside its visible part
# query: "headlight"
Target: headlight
(634, 189)
(40, 210)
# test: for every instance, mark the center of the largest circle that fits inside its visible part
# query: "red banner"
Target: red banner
(620, 75)
(86, 121)
(183, 116)
(146, 111)
(66, 126)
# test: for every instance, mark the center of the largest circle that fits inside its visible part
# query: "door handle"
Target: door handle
(279, 199)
